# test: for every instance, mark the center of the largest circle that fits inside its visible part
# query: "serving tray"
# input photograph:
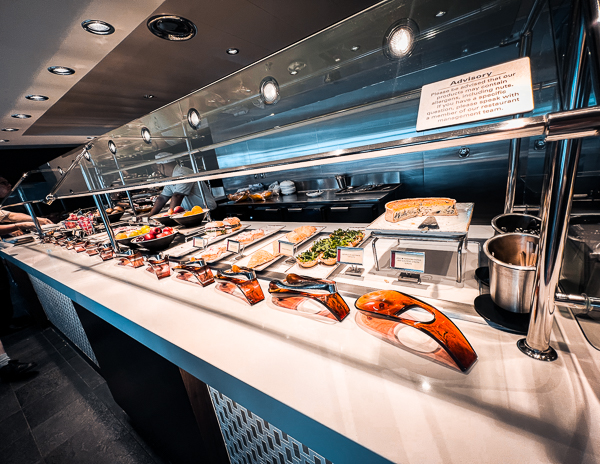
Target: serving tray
(450, 226)
(187, 247)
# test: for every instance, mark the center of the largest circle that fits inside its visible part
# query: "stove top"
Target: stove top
(367, 188)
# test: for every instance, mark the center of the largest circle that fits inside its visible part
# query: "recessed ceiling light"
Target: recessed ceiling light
(233, 51)
(90, 138)
(20, 116)
(95, 26)
(193, 118)
(355, 48)
(170, 27)
(4, 140)
(269, 91)
(146, 135)
(439, 14)
(148, 95)
(61, 70)
(295, 67)
(37, 98)
(10, 129)
(399, 39)
(112, 147)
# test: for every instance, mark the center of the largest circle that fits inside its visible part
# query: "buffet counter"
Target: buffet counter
(344, 393)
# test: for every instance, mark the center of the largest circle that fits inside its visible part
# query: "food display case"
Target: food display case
(363, 341)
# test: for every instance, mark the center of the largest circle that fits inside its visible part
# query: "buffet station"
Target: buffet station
(316, 316)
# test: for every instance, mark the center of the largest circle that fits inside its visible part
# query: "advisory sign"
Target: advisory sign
(493, 92)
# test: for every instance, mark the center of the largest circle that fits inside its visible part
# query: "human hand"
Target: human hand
(25, 225)
(16, 233)
(44, 221)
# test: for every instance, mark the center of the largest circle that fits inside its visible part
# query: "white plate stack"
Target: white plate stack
(287, 187)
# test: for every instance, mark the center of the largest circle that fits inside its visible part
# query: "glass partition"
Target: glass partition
(354, 87)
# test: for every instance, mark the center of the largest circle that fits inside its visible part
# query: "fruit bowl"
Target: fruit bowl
(158, 244)
(191, 220)
(164, 220)
(126, 241)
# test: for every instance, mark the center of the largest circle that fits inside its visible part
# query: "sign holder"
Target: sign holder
(354, 257)
(288, 249)
(410, 263)
(236, 247)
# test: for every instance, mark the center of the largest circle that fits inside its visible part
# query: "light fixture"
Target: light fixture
(60, 171)
(269, 91)
(112, 147)
(90, 138)
(10, 129)
(4, 140)
(295, 67)
(355, 48)
(171, 27)
(399, 40)
(439, 14)
(148, 96)
(95, 26)
(146, 135)
(86, 155)
(20, 116)
(61, 70)
(37, 98)
(193, 118)
(233, 51)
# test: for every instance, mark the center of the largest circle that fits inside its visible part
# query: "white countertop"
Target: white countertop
(333, 386)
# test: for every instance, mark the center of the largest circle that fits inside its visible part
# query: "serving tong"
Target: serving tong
(196, 270)
(159, 266)
(242, 278)
(389, 306)
(130, 258)
(295, 289)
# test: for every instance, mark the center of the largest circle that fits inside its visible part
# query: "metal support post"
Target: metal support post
(199, 183)
(123, 182)
(556, 209)
(514, 149)
(35, 219)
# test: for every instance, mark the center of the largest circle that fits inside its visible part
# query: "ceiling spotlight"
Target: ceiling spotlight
(233, 51)
(149, 96)
(399, 39)
(37, 98)
(20, 116)
(146, 135)
(10, 129)
(170, 27)
(90, 138)
(439, 14)
(193, 118)
(355, 48)
(95, 26)
(61, 70)
(112, 147)
(60, 171)
(86, 155)
(269, 91)
(295, 67)
(4, 140)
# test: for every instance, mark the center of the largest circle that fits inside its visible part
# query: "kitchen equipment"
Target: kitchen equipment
(240, 280)
(342, 181)
(516, 222)
(512, 258)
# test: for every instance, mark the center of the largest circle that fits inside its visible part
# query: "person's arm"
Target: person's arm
(176, 199)
(6, 229)
(158, 205)
(20, 217)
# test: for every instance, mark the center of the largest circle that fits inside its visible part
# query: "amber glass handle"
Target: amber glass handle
(332, 301)
(389, 304)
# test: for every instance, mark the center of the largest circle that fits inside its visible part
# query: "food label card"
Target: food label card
(234, 246)
(409, 261)
(199, 242)
(350, 255)
(492, 92)
(286, 248)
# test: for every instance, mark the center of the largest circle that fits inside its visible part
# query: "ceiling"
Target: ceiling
(114, 72)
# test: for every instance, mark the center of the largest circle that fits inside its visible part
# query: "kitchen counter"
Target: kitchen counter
(328, 196)
(344, 393)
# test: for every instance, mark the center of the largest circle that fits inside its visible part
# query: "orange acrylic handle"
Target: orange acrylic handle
(390, 304)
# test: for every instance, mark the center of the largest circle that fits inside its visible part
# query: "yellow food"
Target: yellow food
(197, 209)
(135, 233)
(120, 236)
(144, 229)
(260, 257)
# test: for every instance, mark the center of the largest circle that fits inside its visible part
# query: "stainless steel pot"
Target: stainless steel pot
(512, 270)
(516, 222)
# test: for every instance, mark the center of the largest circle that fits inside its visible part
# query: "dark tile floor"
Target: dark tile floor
(66, 413)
